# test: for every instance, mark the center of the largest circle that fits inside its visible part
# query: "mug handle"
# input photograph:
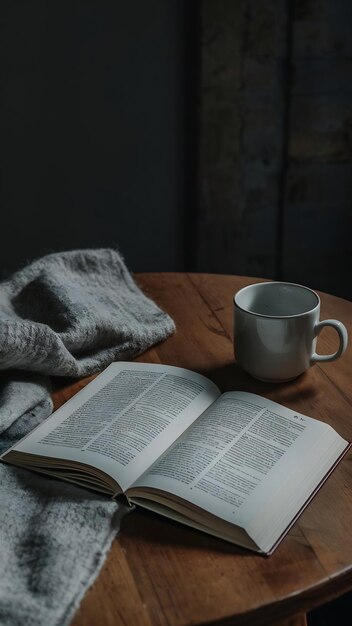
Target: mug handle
(342, 332)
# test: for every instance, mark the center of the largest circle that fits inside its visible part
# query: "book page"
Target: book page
(124, 419)
(238, 454)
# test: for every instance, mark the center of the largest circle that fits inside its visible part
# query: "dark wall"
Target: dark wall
(98, 133)
(95, 115)
(276, 141)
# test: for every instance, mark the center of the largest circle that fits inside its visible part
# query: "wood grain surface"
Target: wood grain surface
(160, 573)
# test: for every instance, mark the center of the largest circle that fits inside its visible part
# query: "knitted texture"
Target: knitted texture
(67, 314)
(71, 314)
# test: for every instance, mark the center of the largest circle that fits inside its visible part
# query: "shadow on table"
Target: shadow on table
(146, 526)
(231, 377)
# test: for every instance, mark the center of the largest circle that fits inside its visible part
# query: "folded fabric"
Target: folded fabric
(72, 313)
(67, 314)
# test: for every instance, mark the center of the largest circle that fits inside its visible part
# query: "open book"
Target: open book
(234, 465)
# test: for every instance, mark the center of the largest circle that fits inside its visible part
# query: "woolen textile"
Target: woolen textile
(67, 314)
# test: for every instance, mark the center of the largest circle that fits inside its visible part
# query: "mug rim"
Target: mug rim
(276, 282)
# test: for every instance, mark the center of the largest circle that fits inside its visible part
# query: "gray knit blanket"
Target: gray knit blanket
(67, 314)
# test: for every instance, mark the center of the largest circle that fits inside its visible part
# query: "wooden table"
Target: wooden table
(159, 573)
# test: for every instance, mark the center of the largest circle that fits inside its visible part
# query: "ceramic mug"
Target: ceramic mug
(276, 325)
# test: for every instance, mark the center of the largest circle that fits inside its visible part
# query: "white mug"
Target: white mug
(276, 325)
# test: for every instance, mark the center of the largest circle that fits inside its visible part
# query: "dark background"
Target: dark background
(94, 129)
(207, 136)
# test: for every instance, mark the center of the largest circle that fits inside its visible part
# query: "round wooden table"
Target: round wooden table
(161, 573)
